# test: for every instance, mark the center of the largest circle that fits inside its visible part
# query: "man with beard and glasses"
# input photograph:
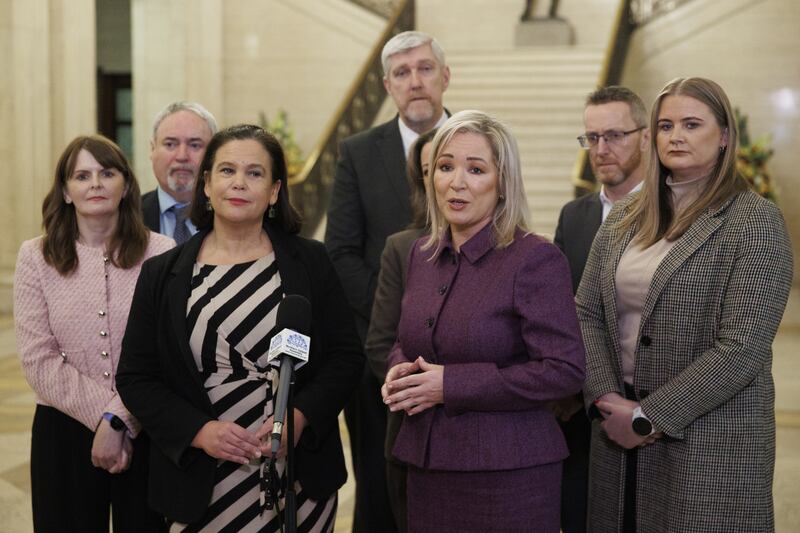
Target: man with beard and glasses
(369, 202)
(181, 132)
(616, 136)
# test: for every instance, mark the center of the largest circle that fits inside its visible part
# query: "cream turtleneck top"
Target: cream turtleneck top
(635, 273)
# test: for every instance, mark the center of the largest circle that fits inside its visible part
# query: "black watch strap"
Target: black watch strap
(116, 422)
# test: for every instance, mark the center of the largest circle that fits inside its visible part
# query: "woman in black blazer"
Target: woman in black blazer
(193, 367)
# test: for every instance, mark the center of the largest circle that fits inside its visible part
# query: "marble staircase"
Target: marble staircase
(539, 93)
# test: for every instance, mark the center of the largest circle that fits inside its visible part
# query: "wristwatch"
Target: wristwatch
(116, 422)
(641, 424)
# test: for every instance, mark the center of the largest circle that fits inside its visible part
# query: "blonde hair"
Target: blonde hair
(651, 212)
(511, 211)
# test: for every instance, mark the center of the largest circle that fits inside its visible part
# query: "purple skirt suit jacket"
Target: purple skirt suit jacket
(503, 324)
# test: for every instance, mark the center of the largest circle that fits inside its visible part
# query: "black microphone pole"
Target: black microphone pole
(294, 313)
(290, 504)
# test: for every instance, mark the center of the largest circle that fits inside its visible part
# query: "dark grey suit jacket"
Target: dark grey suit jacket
(386, 316)
(577, 225)
(151, 211)
(369, 202)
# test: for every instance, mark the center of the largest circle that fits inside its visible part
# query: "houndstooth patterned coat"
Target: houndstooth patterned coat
(703, 372)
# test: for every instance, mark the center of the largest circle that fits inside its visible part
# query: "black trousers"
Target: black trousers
(575, 476)
(365, 416)
(629, 508)
(70, 494)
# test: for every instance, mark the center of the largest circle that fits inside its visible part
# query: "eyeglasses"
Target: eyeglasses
(613, 137)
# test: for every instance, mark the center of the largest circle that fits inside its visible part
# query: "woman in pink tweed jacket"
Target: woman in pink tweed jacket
(72, 292)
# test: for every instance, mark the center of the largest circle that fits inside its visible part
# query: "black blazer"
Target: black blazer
(159, 382)
(369, 202)
(151, 212)
(577, 225)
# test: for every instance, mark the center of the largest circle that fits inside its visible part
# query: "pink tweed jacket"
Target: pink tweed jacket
(69, 329)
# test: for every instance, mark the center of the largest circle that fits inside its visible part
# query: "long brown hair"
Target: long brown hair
(129, 241)
(416, 180)
(651, 212)
(286, 216)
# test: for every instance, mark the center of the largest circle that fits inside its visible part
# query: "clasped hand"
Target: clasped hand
(413, 387)
(112, 450)
(231, 442)
(617, 421)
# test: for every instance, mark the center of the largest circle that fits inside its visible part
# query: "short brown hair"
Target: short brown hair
(286, 216)
(617, 93)
(129, 242)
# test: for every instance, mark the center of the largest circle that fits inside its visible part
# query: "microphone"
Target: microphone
(288, 350)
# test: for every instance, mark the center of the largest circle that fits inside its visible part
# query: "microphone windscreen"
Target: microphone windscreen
(294, 312)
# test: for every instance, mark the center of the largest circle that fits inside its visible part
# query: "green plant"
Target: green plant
(752, 158)
(282, 131)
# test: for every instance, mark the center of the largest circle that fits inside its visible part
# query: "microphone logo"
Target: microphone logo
(291, 343)
(297, 341)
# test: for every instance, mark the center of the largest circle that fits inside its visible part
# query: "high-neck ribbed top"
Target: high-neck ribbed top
(635, 273)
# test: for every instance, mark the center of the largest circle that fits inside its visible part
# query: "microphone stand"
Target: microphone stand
(290, 504)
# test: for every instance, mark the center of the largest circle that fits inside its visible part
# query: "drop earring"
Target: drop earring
(271, 211)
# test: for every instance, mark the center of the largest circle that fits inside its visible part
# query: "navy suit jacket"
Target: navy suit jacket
(577, 225)
(151, 211)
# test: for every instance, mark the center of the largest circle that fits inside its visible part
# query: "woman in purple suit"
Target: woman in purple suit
(488, 336)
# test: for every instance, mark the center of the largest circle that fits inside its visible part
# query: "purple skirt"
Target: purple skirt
(525, 500)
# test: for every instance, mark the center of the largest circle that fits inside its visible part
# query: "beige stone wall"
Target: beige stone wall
(299, 55)
(750, 47)
(47, 97)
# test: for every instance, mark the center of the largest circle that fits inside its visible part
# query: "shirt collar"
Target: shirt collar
(165, 201)
(476, 247)
(409, 136)
(606, 202)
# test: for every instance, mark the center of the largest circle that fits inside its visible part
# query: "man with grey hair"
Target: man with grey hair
(181, 132)
(616, 136)
(369, 202)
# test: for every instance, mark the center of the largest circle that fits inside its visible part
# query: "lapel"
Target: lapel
(592, 220)
(177, 293)
(151, 212)
(294, 275)
(697, 234)
(294, 280)
(390, 148)
(609, 286)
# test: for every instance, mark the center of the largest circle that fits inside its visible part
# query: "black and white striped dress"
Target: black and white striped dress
(231, 316)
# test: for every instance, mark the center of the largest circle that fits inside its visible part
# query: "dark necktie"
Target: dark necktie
(182, 232)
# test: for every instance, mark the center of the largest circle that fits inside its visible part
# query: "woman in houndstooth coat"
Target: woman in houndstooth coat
(682, 295)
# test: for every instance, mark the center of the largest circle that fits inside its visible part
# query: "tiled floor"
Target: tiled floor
(17, 404)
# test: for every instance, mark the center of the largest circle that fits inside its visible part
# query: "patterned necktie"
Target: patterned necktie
(182, 232)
